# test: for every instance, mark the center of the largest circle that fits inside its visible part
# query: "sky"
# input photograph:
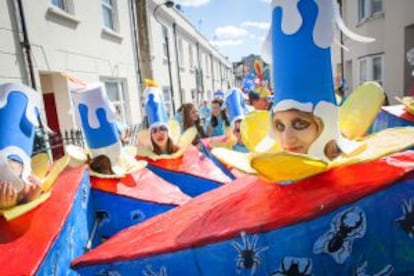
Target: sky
(236, 27)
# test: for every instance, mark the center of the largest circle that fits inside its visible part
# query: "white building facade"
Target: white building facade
(391, 23)
(89, 41)
(197, 68)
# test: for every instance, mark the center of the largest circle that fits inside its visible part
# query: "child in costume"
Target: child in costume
(236, 109)
(217, 123)
(161, 141)
(19, 114)
(305, 113)
(205, 112)
(96, 116)
(191, 118)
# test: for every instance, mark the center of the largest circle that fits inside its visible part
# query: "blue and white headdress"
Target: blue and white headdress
(97, 120)
(154, 105)
(19, 117)
(235, 105)
(301, 36)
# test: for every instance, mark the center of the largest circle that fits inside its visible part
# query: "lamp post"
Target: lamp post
(168, 4)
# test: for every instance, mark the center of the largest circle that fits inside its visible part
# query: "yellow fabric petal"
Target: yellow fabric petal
(284, 166)
(360, 109)
(40, 165)
(55, 171)
(255, 131)
(187, 137)
(175, 130)
(19, 210)
(380, 144)
(235, 159)
(408, 103)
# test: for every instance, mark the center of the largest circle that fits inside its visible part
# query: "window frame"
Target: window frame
(369, 73)
(122, 97)
(63, 7)
(164, 34)
(166, 93)
(368, 10)
(113, 8)
(180, 52)
(191, 56)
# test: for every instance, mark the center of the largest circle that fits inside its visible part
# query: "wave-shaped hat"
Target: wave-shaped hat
(154, 104)
(300, 42)
(97, 119)
(302, 35)
(19, 117)
(235, 105)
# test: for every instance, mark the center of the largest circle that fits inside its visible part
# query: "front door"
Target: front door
(53, 123)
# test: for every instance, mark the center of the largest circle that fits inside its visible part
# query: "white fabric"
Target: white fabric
(328, 113)
(292, 104)
(34, 100)
(94, 97)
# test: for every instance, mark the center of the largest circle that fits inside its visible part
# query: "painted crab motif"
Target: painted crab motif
(291, 266)
(406, 221)
(248, 254)
(361, 270)
(148, 271)
(345, 228)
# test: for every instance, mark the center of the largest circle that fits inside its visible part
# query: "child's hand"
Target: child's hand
(8, 195)
(32, 190)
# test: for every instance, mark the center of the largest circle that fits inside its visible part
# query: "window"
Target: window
(62, 8)
(164, 40)
(376, 6)
(369, 8)
(167, 100)
(115, 91)
(201, 61)
(59, 4)
(191, 55)
(180, 52)
(109, 14)
(193, 95)
(371, 68)
(207, 65)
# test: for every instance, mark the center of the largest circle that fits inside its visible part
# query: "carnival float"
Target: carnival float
(343, 204)
(302, 211)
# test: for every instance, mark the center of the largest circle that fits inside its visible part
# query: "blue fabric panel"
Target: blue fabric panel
(189, 184)
(73, 237)
(373, 236)
(16, 129)
(123, 212)
(302, 70)
(105, 135)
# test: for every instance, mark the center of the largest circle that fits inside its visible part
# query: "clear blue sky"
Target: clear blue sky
(236, 27)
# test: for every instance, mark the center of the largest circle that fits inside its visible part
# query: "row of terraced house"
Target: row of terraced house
(57, 45)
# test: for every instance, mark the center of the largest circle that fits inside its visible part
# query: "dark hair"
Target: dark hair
(188, 122)
(171, 148)
(214, 119)
(253, 96)
(101, 164)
